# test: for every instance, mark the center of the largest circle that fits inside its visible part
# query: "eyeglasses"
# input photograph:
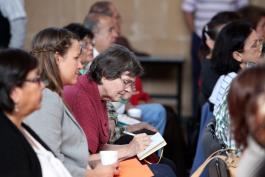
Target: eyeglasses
(128, 83)
(258, 44)
(37, 80)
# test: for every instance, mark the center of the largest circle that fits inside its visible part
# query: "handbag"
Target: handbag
(225, 160)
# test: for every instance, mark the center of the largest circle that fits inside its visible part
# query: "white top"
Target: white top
(50, 165)
(95, 52)
(12, 9)
(204, 10)
(220, 88)
(15, 12)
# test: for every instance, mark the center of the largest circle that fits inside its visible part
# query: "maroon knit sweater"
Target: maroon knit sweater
(89, 110)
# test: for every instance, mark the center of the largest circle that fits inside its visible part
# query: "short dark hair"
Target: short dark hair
(231, 38)
(113, 62)
(15, 64)
(92, 20)
(79, 30)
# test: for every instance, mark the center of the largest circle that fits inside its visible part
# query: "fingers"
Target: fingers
(141, 141)
(116, 169)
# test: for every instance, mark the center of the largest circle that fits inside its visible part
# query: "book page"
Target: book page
(157, 142)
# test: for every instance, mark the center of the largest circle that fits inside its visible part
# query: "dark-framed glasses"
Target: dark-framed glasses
(128, 83)
(36, 80)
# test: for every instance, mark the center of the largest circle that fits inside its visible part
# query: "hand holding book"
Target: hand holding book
(157, 142)
(139, 143)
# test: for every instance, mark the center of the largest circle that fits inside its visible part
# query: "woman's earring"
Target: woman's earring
(16, 109)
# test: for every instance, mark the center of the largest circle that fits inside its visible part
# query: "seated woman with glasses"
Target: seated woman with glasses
(111, 75)
(87, 43)
(237, 47)
(22, 152)
(58, 52)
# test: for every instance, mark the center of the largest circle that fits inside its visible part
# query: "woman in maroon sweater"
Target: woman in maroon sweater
(111, 75)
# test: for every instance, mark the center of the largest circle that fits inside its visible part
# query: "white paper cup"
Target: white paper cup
(108, 157)
(135, 113)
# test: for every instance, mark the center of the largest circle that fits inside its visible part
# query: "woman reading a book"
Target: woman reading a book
(111, 75)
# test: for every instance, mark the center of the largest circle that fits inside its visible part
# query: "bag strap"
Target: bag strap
(201, 168)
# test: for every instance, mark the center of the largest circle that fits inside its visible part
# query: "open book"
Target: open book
(157, 142)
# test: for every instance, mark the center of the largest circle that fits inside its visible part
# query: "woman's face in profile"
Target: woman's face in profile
(30, 94)
(252, 48)
(87, 50)
(261, 28)
(70, 64)
(118, 88)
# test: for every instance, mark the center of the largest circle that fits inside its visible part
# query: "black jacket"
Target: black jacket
(17, 157)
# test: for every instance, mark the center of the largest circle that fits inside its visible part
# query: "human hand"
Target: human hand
(139, 143)
(140, 126)
(103, 171)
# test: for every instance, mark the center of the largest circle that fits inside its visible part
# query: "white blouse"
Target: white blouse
(50, 165)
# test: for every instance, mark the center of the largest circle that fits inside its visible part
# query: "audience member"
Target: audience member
(111, 75)
(103, 28)
(87, 43)
(23, 153)
(236, 46)
(208, 78)
(256, 16)
(246, 100)
(209, 35)
(13, 21)
(196, 15)
(154, 114)
(58, 52)
(109, 9)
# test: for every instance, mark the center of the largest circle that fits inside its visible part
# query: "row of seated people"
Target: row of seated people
(56, 65)
(230, 44)
(59, 124)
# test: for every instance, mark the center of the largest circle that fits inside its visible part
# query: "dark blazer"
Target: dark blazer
(17, 157)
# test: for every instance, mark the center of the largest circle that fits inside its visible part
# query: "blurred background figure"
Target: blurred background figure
(256, 16)
(196, 15)
(246, 101)
(87, 43)
(13, 20)
(103, 28)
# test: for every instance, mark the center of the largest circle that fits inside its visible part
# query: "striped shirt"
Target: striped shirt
(204, 10)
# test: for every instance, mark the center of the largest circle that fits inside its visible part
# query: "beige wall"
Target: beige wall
(154, 26)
